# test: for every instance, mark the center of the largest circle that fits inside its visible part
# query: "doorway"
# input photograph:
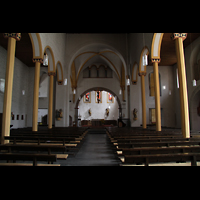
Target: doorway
(152, 116)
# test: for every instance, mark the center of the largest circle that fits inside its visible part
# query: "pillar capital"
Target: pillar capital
(142, 73)
(16, 36)
(51, 73)
(40, 60)
(183, 36)
(155, 60)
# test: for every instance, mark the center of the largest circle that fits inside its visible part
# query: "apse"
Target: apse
(98, 105)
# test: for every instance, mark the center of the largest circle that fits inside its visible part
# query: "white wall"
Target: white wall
(75, 43)
(167, 101)
(168, 105)
(57, 42)
(23, 80)
(191, 58)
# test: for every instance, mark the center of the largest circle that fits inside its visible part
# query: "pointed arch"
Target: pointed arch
(95, 54)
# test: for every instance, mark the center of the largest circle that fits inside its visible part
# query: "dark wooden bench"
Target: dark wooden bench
(159, 150)
(39, 139)
(157, 158)
(28, 157)
(156, 139)
(147, 146)
(157, 144)
(23, 147)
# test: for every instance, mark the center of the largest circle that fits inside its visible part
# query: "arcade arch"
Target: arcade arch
(80, 98)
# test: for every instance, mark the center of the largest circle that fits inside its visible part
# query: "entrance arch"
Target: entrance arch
(97, 89)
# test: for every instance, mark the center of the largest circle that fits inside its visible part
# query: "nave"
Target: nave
(110, 146)
(96, 151)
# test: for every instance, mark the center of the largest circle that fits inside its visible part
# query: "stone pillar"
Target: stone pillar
(12, 38)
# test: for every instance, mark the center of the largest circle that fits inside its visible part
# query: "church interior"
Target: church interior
(135, 96)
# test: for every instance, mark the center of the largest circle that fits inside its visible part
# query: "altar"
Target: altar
(98, 122)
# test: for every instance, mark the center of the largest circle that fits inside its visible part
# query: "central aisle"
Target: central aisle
(96, 150)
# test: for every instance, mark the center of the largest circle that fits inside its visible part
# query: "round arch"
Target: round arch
(134, 74)
(51, 65)
(93, 89)
(145, 51)
(59, 71)
(36, 45)
(155, 46)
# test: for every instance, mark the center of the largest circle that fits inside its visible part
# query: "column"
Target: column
(157, 96)
(36, 93)
(50, 111)
(185, 126)
(12, 37)
(144, 123)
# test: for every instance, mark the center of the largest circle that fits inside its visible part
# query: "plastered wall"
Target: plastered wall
(23, 80)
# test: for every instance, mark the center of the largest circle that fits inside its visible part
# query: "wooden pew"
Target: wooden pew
(41, 139)
(56, 136)
(159, 150)
(156, 158)
(157, 144)
(29, 157)
(152, 147)
(155, 139)
(10, 148)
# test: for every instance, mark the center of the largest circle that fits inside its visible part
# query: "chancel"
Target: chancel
(64, 92)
